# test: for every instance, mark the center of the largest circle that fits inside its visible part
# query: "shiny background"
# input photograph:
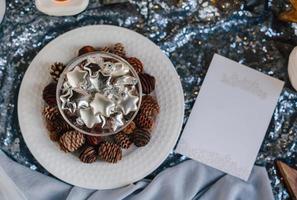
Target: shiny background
(189, 32)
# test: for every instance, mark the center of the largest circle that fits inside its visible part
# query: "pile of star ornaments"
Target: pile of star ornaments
(99, 90)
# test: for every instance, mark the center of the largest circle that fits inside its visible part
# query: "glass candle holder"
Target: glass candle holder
(99, 94)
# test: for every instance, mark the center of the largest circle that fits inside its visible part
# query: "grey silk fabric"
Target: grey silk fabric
(187, 180)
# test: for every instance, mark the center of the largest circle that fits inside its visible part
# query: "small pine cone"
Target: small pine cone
(122, 140)
(104, 49)
(88, 155)
(49, 94)
(149, 106)
(56, 70)
(97, 129)
(110, 152)
(147, 82)
(72, 140)
(119, 50)
(55, 121)
(85, 49)
(150, 110)
(136, 64)
(141, 137)
(94, 140)
(59, 125)
(50, 126)
(149, 98)
(55, 137)
(51, 113)
(62, 126)
(129, 128)
(63, 148)
(143, 121)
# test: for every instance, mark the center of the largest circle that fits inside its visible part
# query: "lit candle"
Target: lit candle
(61, 7)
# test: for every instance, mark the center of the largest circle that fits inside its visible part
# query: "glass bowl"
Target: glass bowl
(99, 93)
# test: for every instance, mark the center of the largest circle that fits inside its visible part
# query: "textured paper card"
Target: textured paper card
(230, 117)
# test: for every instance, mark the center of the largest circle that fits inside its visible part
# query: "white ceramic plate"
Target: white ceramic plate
(136, 164)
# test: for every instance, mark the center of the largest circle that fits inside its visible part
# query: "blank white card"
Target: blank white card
(230, 117)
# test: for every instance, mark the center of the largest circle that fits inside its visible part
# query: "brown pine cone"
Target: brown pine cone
(49, 94)
(104, 49)
(72, 140)
(85, 49)
(136, 64)
(122, 140)
(141, 137)
(147, 82)
(50, 126)
(149, 106)
(55, 121)
(149, 98)
(110, 152)
(143, 121)
(51, 113)
(56, 70)
(88, 155)
(59, 126)
(63, 148)
(97, 129)
(55, 137)
(129, 128)
(94, 140)
(119, 50)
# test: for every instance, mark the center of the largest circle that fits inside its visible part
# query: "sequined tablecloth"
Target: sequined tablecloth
(189, 32)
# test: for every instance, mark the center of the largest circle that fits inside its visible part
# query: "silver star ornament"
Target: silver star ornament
(128, 103)
(102, 105)
(76, 77)
(88, 117)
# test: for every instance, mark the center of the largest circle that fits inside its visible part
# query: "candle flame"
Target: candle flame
(61, 1)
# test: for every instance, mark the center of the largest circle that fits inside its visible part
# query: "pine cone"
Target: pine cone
(58, 126)
(136, 64)
(49, 94)
(129, 128)
(110, 152)
(51, 113)
(49, 126)
(122, 140)
(94, 140)
(97, 129)
(143, 121)
(55, 137)
(147, 82)
(55, 121)
(119, 50)
(63, 148)
(149, 106)
(72, 140)
(56, 70)
(85, 49)
(104, 49)
(149, 98)
(88, 155)
(141, 137)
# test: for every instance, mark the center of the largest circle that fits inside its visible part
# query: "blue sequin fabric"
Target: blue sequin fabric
(189, 32)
